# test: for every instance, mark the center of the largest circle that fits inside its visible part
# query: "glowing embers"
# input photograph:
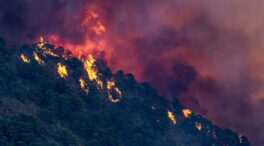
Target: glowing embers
(198, 126)
(172, 117)
(38, 59)
(62, 70)
(114, 94)
(24, 58)
(186, 112)
(83, 85)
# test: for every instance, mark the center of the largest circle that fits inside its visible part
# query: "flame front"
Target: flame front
(90, 67)
(62, 70)
(49, 52)
(46, 51)
(83, 85)
(186, 112)
(24, 58)
(38, 59)
(112, 87)
(172, 117)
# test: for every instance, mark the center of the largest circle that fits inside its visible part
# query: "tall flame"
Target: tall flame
(90, 67)
(95, 38)
(24, 58)
(172, 117)
(62, 70)
(46, 51)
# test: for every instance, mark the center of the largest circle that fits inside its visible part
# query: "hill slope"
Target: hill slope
(48, 97)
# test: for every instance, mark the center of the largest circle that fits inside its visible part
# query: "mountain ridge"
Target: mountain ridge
(49, 97)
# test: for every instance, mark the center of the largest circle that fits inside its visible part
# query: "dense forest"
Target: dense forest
(50, 98)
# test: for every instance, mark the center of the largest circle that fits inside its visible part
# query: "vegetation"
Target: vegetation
(40, 108)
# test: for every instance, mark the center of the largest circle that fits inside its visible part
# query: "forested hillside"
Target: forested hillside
(49, 97)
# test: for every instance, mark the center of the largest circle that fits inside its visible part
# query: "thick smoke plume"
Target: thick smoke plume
(207, 52)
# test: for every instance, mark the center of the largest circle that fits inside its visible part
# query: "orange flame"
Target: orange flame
(24, 58)
(90, 68)
(89, 65)
(94, 30)
(83, 85)
(111, 86)
(41, 43)
(62, 70)
(172, 117)
(49, 52)
(38, 59)
(186, 112)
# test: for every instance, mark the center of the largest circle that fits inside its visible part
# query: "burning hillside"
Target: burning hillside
(50, 97)
(207, 53)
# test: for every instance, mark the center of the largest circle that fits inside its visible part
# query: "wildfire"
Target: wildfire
(90, 67)
(198, 126)
(110, 84)
(99, 83)
(112, 87)
(38, 59)
(186, 112)
(24, 58)
(94, 30)
(172, 117)
(62, 70)
(41, 43)
(46, 51)
(49, 52)
(83, 85)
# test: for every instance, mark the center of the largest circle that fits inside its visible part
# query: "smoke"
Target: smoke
(207, 52)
